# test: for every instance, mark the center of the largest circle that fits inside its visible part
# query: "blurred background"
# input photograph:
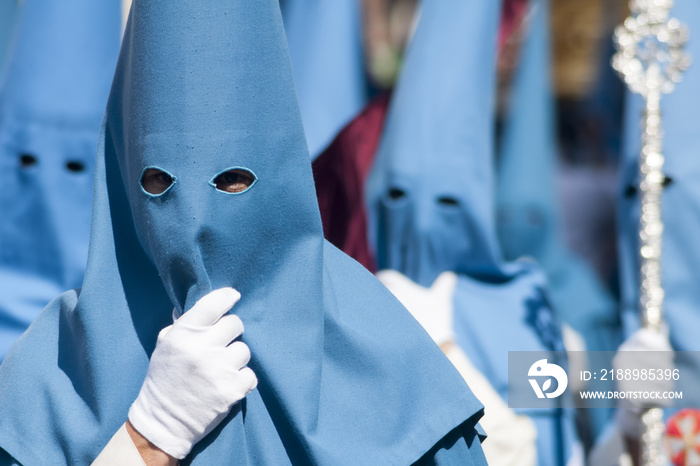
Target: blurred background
(589, 105)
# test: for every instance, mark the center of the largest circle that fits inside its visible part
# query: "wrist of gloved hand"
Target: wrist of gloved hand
(645, 348)
(196, 374)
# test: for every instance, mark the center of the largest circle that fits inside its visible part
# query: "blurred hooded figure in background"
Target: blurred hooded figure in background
(680, 256)
(529, 222)
(203, 183)
(431, 205)
(51, 101)
(325, 45)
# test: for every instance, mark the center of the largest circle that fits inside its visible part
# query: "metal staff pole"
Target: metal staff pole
(651, 60)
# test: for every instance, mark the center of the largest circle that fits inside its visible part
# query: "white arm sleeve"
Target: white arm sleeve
(120, 451)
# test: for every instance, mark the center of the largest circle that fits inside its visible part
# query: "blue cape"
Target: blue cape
(680, 257)
(431, 198)
(325, 44)
(346, 376)
(529, 222)
(51, 104)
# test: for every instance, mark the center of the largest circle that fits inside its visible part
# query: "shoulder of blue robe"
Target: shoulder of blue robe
(23, 296)
(516, 311)
(379, 401)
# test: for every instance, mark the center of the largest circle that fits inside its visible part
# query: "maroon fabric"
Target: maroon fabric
(340, 173)
(512, 14)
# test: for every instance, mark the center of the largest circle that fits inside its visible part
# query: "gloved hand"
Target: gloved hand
(195, 376)
(658, 354)
(431, 307)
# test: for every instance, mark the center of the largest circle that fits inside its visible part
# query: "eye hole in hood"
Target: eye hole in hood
(448, 201)
(27, 160)
(156, 181)
(235, 180)
(395, 194)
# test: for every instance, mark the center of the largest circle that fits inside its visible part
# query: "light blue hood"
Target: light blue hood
(325, 44)
(51, 103)
(529, 220)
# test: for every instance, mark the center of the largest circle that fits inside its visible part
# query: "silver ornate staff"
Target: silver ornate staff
(651, 60)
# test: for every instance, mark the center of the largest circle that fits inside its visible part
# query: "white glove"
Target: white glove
(431, 307)
(195, 376)
(658, 355)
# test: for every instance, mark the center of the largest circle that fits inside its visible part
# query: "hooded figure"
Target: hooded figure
(345, 375)
(325, 44)
(529, 223)
(51, 103)
(431, 206)
(680, 210)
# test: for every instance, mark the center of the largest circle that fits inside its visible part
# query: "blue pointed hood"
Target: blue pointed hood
(52, 97)
(428, 191)
(325, 44)
(9, 10)
(529, 218)
(63, 62)
(204, 87)
(680, 257)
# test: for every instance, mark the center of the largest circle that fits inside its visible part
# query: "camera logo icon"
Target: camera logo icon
(541, 369)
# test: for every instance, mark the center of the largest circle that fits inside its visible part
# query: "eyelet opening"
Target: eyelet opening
(75, 166)
(155, 181)
(234, 180)
(27, 160)
(448, 201)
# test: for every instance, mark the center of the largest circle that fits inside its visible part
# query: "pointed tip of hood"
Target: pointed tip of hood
(63, 60)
